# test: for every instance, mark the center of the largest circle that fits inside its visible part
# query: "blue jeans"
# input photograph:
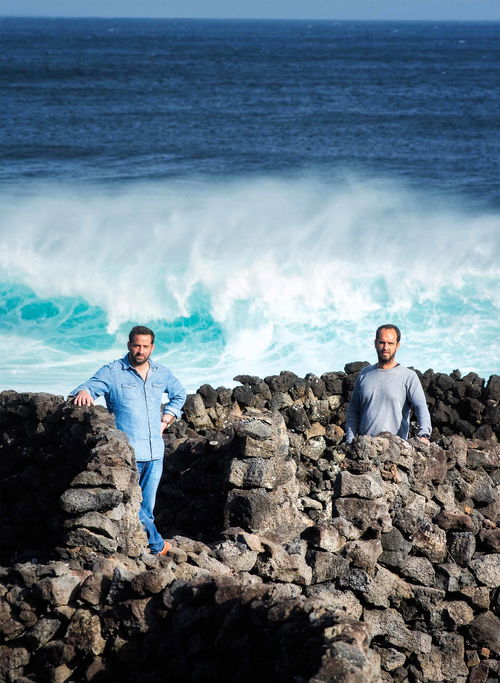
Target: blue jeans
(150, 473)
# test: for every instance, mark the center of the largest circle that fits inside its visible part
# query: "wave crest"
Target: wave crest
(253, 272)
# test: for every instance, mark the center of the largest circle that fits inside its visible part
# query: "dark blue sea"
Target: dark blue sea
(263, 194)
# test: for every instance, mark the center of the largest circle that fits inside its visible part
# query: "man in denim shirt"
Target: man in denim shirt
(133, 388)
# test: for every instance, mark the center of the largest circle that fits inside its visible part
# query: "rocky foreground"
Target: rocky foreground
(296, 557)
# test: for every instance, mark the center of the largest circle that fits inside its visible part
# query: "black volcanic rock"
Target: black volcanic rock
(283, 538)
(208, 394)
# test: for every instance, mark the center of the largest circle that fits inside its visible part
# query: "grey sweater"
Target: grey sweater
(381, 402)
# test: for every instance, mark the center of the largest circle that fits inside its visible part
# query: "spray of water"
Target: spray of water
(250, 275)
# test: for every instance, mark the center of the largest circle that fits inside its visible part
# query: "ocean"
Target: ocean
(263, 194)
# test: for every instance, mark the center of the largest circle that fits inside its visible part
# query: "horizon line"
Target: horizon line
(297, 19)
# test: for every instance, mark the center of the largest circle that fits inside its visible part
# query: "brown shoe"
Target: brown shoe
(166, 547)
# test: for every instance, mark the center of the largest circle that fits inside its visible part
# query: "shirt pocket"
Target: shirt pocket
(157, 389)
(130, 392)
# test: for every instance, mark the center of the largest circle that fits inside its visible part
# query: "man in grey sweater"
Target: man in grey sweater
(384, 394)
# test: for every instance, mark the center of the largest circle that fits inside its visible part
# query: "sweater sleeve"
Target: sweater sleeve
(353, 415)
(417, 398)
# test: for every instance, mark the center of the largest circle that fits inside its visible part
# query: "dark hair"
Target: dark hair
(140, 329)
(389, 327)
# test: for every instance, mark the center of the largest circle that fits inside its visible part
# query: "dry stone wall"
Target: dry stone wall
(463, 405)
(295, 557)
(69, 481)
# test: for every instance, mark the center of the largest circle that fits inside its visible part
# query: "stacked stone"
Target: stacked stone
(100, 611)
(316, 406)
(378, 561)
(463, 405)
(68, 481)
(188, 617)
(314, 412)
(413, 546)
(263, 486)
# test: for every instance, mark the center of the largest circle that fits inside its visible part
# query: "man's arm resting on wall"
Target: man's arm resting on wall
(98, 385)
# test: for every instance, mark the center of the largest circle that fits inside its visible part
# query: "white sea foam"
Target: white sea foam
(286, 272)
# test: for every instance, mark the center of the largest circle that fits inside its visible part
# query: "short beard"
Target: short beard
(385, 361)
(139, 362)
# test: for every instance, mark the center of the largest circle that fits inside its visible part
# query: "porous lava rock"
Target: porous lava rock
(295, 556)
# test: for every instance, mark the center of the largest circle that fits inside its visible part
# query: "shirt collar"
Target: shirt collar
(126, 363)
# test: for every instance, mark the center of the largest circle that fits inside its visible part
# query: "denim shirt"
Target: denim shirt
(136, 404)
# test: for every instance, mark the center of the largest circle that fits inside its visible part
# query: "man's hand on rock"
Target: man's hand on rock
(425, 439)
(166, 421)
(83, 398)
